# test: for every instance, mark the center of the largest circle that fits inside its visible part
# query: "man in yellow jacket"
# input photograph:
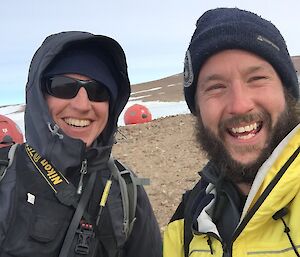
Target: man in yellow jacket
(240, 83)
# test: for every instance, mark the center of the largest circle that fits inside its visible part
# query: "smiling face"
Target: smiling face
(240, 98)
(79, 117)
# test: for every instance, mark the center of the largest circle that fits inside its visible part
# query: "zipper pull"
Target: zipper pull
(83, 171)
(210, 245)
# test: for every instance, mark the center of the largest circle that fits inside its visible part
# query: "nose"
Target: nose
(240, 100)
(81, 101)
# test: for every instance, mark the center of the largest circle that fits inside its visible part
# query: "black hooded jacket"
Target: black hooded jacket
(33, 223)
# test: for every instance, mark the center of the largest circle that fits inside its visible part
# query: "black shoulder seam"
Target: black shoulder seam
(179, 213)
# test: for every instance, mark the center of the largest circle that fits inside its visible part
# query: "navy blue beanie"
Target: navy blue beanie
(85, 62)
(231, 28)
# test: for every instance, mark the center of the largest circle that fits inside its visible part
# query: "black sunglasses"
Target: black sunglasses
(67, 88)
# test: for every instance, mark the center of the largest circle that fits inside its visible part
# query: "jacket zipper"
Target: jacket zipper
(83, 171)
(209, 242)
(263, 197)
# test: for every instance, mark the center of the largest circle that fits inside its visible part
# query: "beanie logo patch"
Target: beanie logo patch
(188, 75)
(263, 39)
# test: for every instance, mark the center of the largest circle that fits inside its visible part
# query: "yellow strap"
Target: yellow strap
(105, 192)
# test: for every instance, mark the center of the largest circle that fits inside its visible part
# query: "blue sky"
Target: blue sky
(154, 34)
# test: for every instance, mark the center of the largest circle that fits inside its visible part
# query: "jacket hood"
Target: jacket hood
(40, 130)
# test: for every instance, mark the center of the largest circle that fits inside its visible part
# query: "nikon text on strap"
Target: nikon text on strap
(64, 191)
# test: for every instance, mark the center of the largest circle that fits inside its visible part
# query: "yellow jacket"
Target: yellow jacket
(276, 190)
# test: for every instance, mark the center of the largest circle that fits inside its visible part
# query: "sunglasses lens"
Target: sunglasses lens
(67, 88)
(62, 87)
(97, 92)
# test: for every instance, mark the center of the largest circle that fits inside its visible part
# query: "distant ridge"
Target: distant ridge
(168, 89)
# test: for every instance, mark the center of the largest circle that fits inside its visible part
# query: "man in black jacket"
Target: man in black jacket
(77, 87)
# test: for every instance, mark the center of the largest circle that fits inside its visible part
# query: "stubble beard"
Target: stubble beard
(232, 169)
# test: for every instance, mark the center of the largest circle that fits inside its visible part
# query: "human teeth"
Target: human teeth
(247, 128)
(244, 137)
(241, 129)
(77, 123)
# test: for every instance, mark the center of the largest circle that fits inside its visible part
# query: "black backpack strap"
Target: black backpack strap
(189, 199)
(128, 182)
(77, 216)
(6, 158)
(187, 221)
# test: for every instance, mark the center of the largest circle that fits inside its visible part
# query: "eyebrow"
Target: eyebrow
(254, 69)
(210, 78)
(260, 67)
(246, 71)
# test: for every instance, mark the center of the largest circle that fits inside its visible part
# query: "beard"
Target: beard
(231, 169)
